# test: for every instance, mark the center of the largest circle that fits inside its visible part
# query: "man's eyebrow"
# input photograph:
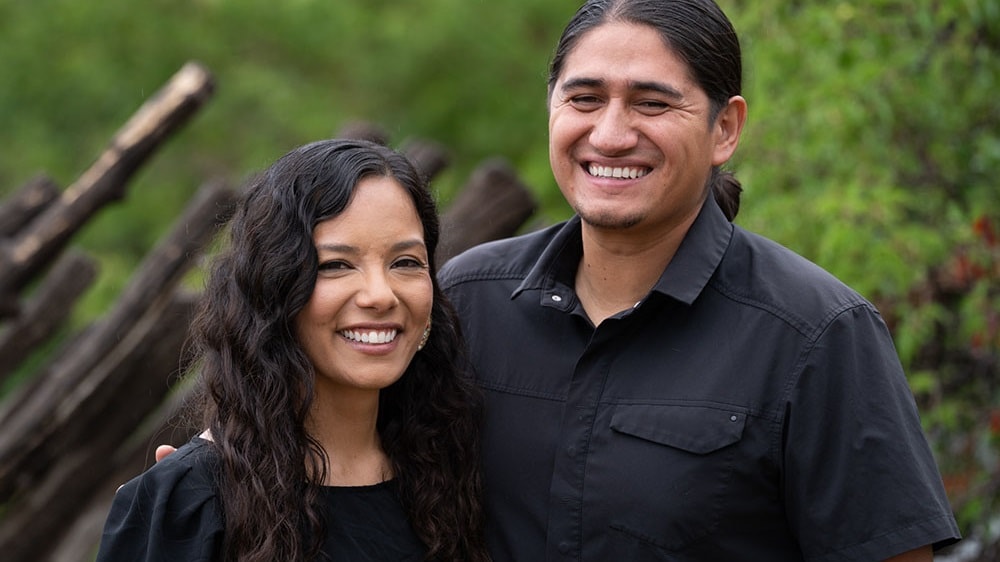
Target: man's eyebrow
(639, 86)
(658, 87)
(577, 83)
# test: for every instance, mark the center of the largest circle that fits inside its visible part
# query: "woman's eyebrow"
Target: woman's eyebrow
(353, 250)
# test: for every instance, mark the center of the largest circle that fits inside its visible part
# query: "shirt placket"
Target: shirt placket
(566, 493)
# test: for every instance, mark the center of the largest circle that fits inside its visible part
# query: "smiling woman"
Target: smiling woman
(372, 299)
(322, 383)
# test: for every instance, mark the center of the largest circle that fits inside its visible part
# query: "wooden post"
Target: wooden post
(493, 204)
(25, 204)
(48, 309)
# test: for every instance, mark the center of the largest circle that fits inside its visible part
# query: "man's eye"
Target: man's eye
(585, 101)
(652, 107)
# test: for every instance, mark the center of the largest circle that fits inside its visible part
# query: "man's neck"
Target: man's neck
(619, 267)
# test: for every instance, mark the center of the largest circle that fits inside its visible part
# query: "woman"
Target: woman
(340, 423)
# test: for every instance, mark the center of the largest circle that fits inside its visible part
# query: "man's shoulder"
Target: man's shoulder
(764, 273)
(508, 258)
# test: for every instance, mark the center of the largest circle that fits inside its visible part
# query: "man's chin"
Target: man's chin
(609, 221)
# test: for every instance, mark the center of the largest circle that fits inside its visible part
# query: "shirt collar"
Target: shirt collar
(698, 256)
(558, 262)
(685, 277)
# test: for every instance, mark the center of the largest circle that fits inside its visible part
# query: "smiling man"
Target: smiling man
(660, 383)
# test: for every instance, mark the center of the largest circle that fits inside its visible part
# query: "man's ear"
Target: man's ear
(727, 129)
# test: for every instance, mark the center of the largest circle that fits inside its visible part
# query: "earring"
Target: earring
(424, 337)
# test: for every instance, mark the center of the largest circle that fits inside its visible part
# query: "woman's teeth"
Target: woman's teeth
(371, 336)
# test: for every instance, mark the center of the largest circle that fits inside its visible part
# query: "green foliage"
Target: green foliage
(872, 149)
(872, 145)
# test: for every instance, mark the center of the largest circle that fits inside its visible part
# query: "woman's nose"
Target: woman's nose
(377, 292)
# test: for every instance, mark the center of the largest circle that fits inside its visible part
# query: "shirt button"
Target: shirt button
(571, 450)
(556, 298)
(733, 417)
(564, 547)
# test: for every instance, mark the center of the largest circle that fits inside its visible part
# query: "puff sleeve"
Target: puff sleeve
(168, 513)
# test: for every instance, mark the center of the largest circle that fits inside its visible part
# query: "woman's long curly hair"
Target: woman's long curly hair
(256, 383)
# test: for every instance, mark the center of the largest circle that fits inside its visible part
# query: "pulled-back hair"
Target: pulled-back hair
(698, 33)
(257, 383)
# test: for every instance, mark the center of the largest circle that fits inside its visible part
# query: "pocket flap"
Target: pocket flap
(697, 429)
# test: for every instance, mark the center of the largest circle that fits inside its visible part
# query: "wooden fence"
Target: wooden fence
(87, 417)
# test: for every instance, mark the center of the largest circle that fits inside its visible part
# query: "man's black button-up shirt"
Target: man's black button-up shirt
(751, 407)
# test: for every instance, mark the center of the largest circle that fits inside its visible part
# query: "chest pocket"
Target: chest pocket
(675, 467)
(697, 429)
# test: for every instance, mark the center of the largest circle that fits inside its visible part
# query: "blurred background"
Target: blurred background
(872, 147)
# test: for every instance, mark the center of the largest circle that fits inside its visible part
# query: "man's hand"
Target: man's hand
(163, 451)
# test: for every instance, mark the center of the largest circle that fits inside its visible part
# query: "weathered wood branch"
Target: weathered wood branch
(40, 423)
(15, 212)
(429, 158)
(48, 308)
(493, 204)
(364, 130)
(26, 203)
(129, 384)
(106, 179)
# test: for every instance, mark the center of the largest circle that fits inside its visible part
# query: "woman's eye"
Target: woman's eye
(410, 263)
(333, 265)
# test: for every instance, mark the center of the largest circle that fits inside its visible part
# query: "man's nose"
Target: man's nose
(613, 131)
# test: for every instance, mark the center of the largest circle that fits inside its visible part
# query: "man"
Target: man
(661, 384)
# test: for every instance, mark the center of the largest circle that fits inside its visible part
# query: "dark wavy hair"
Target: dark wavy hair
(699, 33)
(256, 383)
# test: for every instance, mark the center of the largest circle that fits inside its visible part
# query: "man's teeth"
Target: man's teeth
(372, 336)
(609, 172)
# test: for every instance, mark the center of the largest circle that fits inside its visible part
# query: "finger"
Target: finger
(163, 451)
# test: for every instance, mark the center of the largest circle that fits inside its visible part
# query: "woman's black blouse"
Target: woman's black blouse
(172, 513)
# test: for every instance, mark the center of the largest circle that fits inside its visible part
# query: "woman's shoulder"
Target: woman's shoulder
(169, 512)
(189, 470)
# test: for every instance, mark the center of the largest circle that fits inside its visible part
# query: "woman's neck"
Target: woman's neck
(347, 432)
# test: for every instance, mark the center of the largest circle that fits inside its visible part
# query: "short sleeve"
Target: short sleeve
(168, 513)
(861, 482)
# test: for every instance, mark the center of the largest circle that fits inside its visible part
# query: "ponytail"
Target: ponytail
(726, 189)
